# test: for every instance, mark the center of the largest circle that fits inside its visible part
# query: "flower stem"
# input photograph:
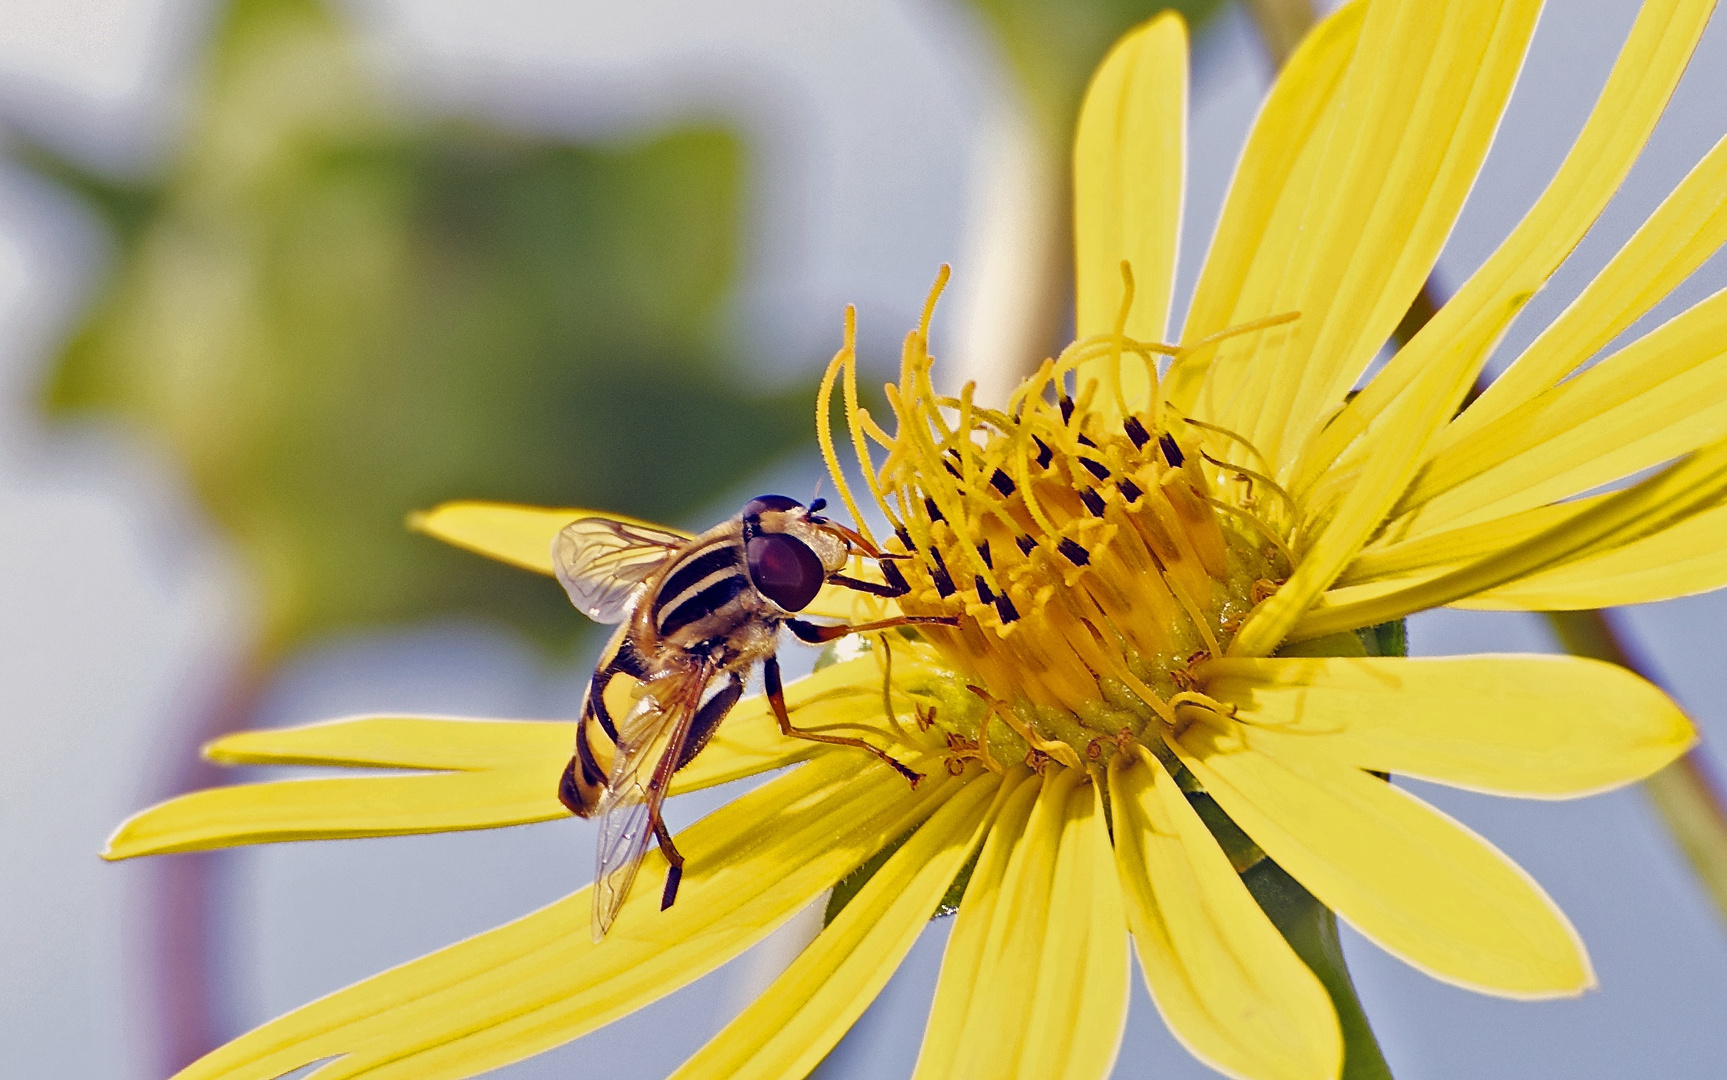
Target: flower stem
(1282, 24)
(1311, 930)
(185, 968)
(1308, 925)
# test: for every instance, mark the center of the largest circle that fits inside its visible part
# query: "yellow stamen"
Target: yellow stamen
(844, 361)
(1060, 751)
(1086, 563)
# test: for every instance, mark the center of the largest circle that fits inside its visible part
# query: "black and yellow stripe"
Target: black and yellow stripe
(699, 590)
(698, 601)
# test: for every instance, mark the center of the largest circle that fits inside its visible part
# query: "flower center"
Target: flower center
(1092, 564)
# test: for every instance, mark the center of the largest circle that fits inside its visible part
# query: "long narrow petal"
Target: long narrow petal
(1229, 986)
(1668, 498)
(1431, 554)
(1544, 726)
(1129, 164)
(1662, 396)
(1414, 881)
(1649, 65)
(519, 535)
(1035, 980)
(970, 947)
(788, 1029)
(341, 808)
(1684, 560)
(502, 772)
(1687, 228)
(1414, 118)
(541, 980)
(522, 536)
(1409, 425)
(1001, 993)
(1079, 1008)
(1260, 215)
(399, 742)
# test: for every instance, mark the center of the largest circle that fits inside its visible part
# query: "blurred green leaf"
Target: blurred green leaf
(332, 315)
(1053, 46)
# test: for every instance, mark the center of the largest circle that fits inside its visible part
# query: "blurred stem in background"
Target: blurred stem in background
(1013, 285)
(1688, 794)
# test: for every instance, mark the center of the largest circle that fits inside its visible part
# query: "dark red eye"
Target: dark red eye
(785, 570)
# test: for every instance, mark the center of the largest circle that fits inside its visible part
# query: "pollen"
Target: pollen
(1091, 562)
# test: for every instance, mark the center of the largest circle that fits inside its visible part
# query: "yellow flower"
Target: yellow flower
(1126, 553)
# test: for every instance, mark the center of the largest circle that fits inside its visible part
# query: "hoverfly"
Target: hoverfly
(697, 615)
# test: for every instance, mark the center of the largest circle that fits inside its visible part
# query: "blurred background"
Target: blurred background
(275, 272)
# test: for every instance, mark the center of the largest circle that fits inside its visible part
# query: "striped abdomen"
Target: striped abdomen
(613, 690)
(701, 598)
(584, 780)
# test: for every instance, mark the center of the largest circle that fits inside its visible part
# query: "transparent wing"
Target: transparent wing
(603, 563)
(653, 731)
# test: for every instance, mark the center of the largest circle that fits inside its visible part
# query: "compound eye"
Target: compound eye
(784, 570)
(756, 507)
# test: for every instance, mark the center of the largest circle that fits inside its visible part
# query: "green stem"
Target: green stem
(1308, 925)
(1282, 24)
(1311, 929)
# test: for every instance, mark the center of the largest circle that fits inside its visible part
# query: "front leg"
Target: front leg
(819, 635)
(889, 590)
(777, 699)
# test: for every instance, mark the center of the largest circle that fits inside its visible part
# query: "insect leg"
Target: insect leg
(777, 699)
(698, 735)
(670, 761)
(675, 872)
(708, 719)
(890, 590)
(818, 635)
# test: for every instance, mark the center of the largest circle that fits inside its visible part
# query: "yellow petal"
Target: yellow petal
(1415, 882)
(1389, 556)
(1228, 985)
(970, 947)
(1684, 560)
(1412, 122)
(788, 1029)
(1687, 228)
(519, 535)
(1472, 54)
(1694, 484)
(1278, 160)
(1544, 726)
(342, 808)
(1043, 988)
(399, 742)
(1408, 426)
(1079, 1005)
(1648, 68)
(1660, 397)
(541, 980)
(522, 536)
(1129, 162)
(507, 771)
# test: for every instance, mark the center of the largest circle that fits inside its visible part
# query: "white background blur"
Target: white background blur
(118, 604)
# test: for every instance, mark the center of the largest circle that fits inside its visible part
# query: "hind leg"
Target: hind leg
(777, 699)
